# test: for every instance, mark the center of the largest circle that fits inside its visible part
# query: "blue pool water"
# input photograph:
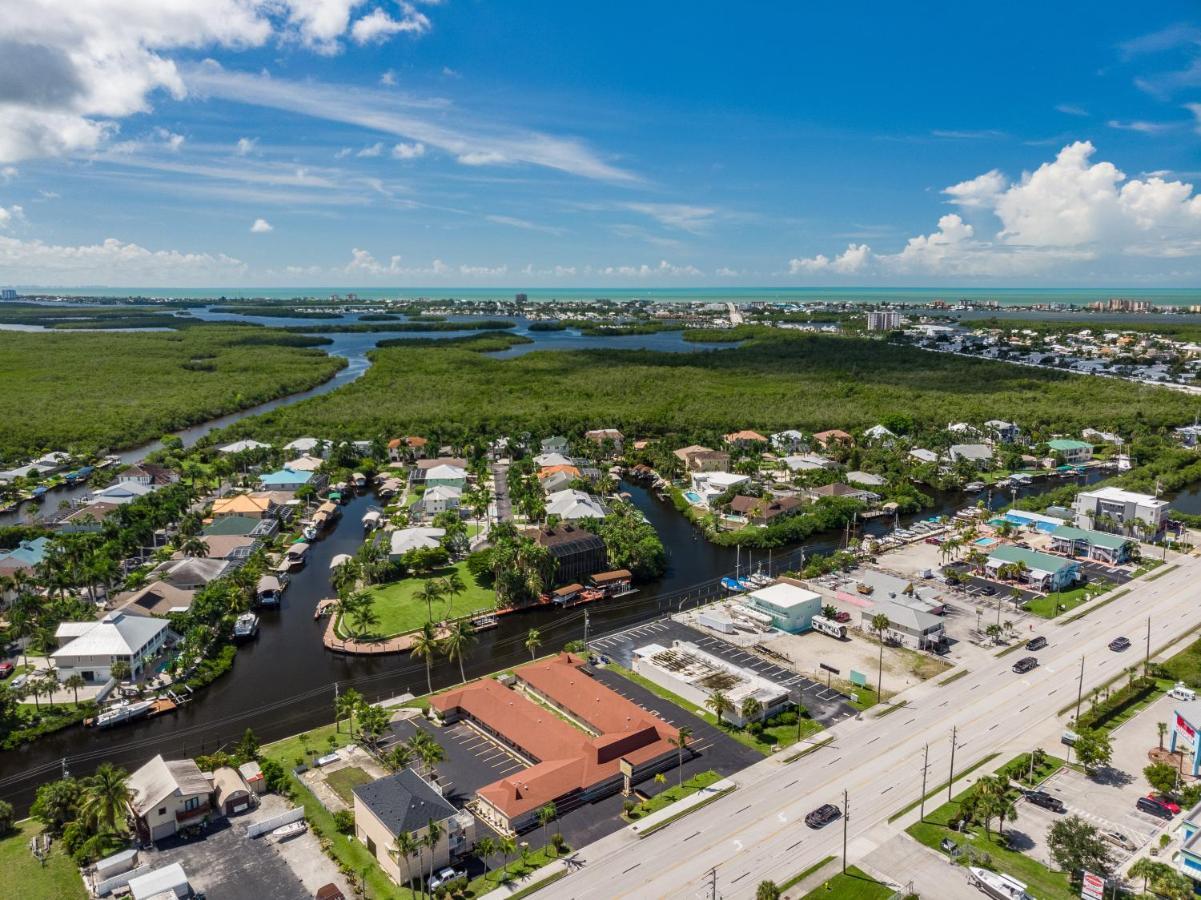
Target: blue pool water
(692, 497)
(985, 542)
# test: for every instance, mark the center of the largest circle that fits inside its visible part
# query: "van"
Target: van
(1036, 643)
(1025, 664)
(1069, 738)
(1182, 692)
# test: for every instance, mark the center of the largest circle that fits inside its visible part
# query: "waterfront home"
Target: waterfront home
(838, 489)
(87, 519)
(308, 446)
(1121, 508)
(148, 474)
(789, 441)
(157, 599)
(242, 447)
(243, 506)
(227, 546)
(600, 435)
(558, 480)
(1040, 570)
(24, 557)
(710, 485)
(304, 463)
(701, 459)
(545, 460)
(577, 553)
(440, 498)
(922, 455)
(121, 492)
(1113, 549)
(166, 796)
(45, 465)
(764, 510)
(90, 649)
(406, 539)
(189, 573)
(808, 462)
(1004, 432)
(289, 480)
(1073, 452)
(405, 802)
(867, 479)
(242, 525)
(422, 466)
(744, 439)
(411, 447)
(979, 455)
(448, 476)
(572, 505)
(555, 444)
(833, 436)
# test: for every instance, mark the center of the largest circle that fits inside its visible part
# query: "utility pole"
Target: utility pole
(67, 774)
(925, 768)
(1080, 688)
(713, 883)
(951, 776)
(846, 817)
(585, 629)
(1147, 659)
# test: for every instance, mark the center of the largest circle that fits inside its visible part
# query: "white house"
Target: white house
(1006, 432)
(789, 441)
(977, 454)
(1120, 505)
(923, 456)
(544, 460)
(449, 476)
(91, 648)
(121, 492)
(307, 446)
(572, 505)
(440, 498)
(866, 478)
(807, 462)
(879, 434)
(407, 539)
(710, 485)
(241, 446)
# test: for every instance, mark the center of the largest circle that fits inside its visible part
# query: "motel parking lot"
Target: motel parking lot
(825, 705)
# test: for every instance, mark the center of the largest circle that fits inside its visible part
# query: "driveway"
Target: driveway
(501, 499)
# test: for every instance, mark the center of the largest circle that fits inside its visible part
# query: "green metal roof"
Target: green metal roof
(1096, 538)
(1043, 562)
(1062, 444)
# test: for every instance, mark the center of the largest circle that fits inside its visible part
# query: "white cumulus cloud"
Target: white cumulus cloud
(111, 262)
(261, 226)
(10, 214)
(246, 146)
(853, 259)
(408, 151)
(378, 26)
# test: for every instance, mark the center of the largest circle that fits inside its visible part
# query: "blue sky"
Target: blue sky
(335, 142)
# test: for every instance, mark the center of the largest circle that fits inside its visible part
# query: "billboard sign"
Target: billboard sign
(1092, 887)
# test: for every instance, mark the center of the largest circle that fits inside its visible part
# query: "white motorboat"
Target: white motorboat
(123, 712)
(246, 627)
(309, 532)
(291, 830)
(997, 885)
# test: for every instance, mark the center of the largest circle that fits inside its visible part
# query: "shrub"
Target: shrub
(344, 821)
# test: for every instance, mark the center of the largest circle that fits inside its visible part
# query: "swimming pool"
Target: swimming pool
(1044, 524)
(692, 497)
(984, 542)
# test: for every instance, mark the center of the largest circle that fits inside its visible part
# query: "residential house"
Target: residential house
(867, 479)
(702, 459)
(834, 436)
(87, 519)
(838, 489)
(440, 498)
(979, 455)
(405, 539)
(808, 462)
(241, 525)
(24, 557)
(290, 480)
(1121, 507)
(242, 447)
(1188, 436)
(1112, 549)
(166, 796)
(745, 439)
(90, 649)
(308, 446)
(1004, 432)
(447, 476)
(148, 474)
(243, 506)
(121, 492)
(555, 444)
(878, 434)
(422, 467)
(190, 573)
(1108, 437)
(764, 510)
(1041, 570)
(558, 480)
(600, 435)
(546, 460)
(577, 553)
(405, 802)
(922, 455)
(1073, 452)
(304, 463)
(963, 429)
(571, 506)
(789, 441)
(157, 599)
(907, 626)
(710, 485)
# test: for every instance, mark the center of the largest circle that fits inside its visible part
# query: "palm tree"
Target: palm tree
(457, 642)
(105, 799)
(75, 682)
(1161, 728)
(720, 704)
(680, 742)
(431, 754)
(750, 709)
(406, 847)
(880, 624)
(347, 705)
(194, 547)
(452, 586)
(430, 592)
(433, 834)
(485, 848)
(558, 843)
(398, 757)
(426, 646)
(508, 846)
(533, 641)
(546, 815)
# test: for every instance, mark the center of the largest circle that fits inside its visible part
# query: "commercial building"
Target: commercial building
(594, 743)
(406, 802)
(1099, 545)
(689, 672)
(91, 649)
(906, 626)
(1121, 507)
(1186, 720)
(1041, 570)
(790, 606)
(1189, 859)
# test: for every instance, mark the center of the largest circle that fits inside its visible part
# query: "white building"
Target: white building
(689, 672)
(790, 606)
(923, 455)
(545, 460)
(789, 441)
(1121, 505)
(807, 462)
(978, 454)
(407, 539)
(440, 498)
(1006, 432)
(711, 485)
(121, 492)
(883, 320)
(241, 446)
(91, 648)
(573, 505)
(307, 446)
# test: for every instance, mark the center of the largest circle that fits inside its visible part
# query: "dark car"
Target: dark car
(1046, 801)
(1154, 807)
(1173, 807)
(1036, 643)
(1119, 644)
(1025, 664)
(823, 816)
(988, 590)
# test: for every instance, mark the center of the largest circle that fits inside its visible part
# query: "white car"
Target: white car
(446, 876)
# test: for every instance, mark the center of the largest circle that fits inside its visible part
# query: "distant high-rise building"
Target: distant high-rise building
(883, 320)
(8, 294)
(521, 298)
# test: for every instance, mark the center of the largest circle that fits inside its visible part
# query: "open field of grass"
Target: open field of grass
(90, 391)
(672, 794)
(400, 608)
(854, 884)
(24, 876)
(344, 781)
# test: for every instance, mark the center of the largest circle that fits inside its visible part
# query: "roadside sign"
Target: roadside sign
(1092, 887)
(858, 678)
(829, 668)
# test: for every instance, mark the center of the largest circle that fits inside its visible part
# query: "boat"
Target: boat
(246, 628)
(39, 493)
(269, 591)
(335, 496)
(359, 480)
(731, 584)
(125, 711)
(371, 520)
(485, 622)
(997, 885)
(338, 561)
(309, 532)
(291, 830)
(973, 487)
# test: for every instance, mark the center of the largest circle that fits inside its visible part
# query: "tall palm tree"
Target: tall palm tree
(398, 757)
(74, 683)
(452, 586)
(105, 799)
(431, 754)
(751, 708)
(533, 641)
(194, 547)
(879, 624)
(546, 815)
(347, 705)
(426, 646)
(406, 847)
(680, 742)
(431, 592)
(486, 848)
(433, 834)
(457, 642)
(720, 704)
(508, 846)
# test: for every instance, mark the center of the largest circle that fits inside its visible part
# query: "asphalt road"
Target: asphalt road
(758, 832)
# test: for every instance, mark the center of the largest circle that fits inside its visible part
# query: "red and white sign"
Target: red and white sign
(1183, 727)
(1092, 887)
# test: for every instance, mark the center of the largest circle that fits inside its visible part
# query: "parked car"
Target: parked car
(6, 669)
(823, 816)
(1118, 644)
(1022, 544)
(842, 616)
(445, 876)
(1046, 801)
(19, 682)
(1036, 643)
(1069, 738)
(1154, 807)
(1170, 804)
(988, 590)
(1025, 664)
(1120, 840)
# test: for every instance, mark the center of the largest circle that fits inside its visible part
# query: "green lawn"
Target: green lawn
(400, 610)
(290, 751)
(854, 884)
(1047, 606)
(674, 793)
(344, 781)
(773, 735)
(516, 869)
(24, 876)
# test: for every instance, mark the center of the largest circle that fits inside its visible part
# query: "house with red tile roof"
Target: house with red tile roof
(570, 762)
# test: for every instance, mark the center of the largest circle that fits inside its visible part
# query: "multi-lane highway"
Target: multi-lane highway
(757, 832)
